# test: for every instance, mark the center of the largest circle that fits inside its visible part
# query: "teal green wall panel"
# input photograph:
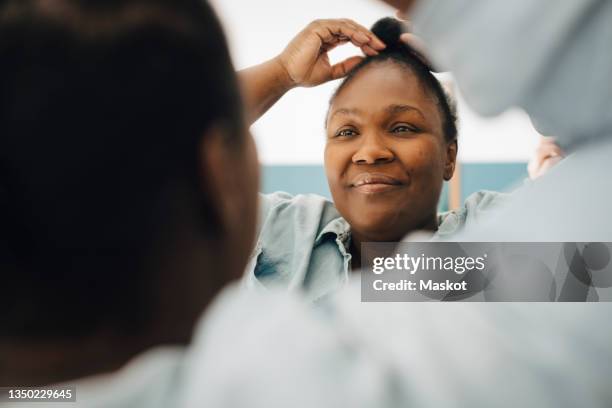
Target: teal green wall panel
(491, 176)
(295, 180)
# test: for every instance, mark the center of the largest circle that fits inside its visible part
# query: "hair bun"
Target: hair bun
(389, 30)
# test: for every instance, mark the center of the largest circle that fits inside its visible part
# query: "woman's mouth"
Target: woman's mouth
(372, 183)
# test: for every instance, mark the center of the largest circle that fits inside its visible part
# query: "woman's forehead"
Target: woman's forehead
(380, 86)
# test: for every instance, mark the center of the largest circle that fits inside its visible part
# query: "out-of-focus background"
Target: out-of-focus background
(493, 153)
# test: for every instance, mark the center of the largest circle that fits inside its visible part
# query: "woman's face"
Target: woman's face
(386, 155)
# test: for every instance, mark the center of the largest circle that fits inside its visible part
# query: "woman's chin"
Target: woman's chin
(384, 226)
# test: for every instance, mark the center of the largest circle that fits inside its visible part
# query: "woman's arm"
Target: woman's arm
(262, 86)
(305, 62)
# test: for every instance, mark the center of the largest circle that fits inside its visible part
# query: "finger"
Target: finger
(361, 39)
(326, 47)
(413, 42)
(548, 148)
(341, 69)
(347, 30)
(401, 15)
(375, 42)
(554, 151)
(367, 50)
(406, 23)
(419, 48)
(547, 165)
(328, 29)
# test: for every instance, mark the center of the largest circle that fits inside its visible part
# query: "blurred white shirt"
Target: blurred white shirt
(274, 350)
(251, 349)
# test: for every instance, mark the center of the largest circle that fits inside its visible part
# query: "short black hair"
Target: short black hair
(389, 31)
(103, 104)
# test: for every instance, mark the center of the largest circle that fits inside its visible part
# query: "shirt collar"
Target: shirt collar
(447, 224)
(338, 227)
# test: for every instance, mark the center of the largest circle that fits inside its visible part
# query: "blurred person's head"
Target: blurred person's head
(391, 142)
(550, 58)
(127, 179)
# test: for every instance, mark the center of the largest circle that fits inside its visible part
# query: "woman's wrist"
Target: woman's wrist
(284, 80)
(263, 85)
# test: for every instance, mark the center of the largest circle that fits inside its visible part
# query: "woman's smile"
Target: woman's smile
(374, 183)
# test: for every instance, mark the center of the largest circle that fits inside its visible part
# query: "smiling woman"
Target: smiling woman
(391, 143)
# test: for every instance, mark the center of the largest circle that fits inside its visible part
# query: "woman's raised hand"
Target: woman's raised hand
(306, 60)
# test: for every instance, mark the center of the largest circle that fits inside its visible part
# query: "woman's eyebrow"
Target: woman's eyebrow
(399, 108)
(346, 111)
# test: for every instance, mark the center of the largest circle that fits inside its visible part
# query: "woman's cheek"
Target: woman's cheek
(424, 164)
(333, 167)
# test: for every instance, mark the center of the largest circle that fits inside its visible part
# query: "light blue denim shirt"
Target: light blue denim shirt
(303, 242)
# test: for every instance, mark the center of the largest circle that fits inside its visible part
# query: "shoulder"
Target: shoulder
(473, 208)
(305, 209)
(293, 246)
(244, 356)
(484, 200)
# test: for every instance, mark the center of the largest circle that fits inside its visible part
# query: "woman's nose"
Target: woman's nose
(373, 151)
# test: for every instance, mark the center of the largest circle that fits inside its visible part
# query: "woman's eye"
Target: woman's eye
(404, 128)
(346, 133)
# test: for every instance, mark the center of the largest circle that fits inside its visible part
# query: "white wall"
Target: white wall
(292, 131)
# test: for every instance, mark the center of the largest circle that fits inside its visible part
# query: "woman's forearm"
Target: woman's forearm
(262, 86)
